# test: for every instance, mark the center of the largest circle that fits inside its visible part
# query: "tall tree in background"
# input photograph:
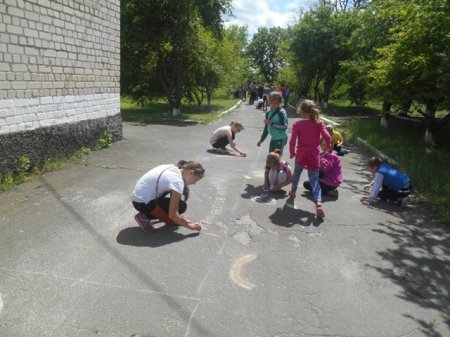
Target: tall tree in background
(155, 46)
(319, 45)
(263, 50)
(414, 63)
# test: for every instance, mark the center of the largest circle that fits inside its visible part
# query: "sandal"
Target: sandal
(319, 211)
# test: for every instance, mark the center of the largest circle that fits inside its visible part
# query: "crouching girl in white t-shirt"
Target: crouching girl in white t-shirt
(157, 194)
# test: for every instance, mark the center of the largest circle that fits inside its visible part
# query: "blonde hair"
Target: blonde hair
(273, 158)
(276, 95)
(310, 109)
(237, 125)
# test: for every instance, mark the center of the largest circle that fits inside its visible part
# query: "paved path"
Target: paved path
(74, 263)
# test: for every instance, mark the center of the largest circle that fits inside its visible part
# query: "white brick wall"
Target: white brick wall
(59, 62)
(31, 113)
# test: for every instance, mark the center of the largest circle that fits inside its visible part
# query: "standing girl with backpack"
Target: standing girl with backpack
(305, 147)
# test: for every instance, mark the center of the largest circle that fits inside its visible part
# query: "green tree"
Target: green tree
(263, 50)
(414, 62)
(320, 44)
(155, 45)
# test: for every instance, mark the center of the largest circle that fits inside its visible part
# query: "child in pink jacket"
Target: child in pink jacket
(330, 174)
(305, 147)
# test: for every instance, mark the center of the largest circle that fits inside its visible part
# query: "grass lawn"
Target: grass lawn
(426, 165)
(159, 112)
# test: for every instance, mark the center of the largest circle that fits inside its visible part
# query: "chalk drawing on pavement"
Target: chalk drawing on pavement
(263, 199)
(236, 268)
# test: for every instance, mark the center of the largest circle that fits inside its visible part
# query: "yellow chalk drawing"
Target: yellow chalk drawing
(235, 271)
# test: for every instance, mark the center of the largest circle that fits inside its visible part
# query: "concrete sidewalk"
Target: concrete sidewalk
(74, 263)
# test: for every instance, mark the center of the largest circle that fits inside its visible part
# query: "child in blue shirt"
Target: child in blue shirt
(275, 124)
(388, 183)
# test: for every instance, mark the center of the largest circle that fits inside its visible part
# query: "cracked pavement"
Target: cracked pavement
(74, 263)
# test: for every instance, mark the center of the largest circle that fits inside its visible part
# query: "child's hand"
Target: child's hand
(243, 154)
(365, 202)
(194, 226)
(259, 143)
(267, 122)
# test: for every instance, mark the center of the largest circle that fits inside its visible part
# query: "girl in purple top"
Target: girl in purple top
(305, 147)
(330, 173)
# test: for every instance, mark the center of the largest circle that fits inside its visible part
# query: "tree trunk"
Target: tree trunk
(208, 97)
(385, 114)
(430, 121)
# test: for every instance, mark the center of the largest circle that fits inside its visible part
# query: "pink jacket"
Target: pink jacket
(331, 166)
(305, 143)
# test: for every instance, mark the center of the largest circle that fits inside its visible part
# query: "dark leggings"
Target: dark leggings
(222, 142)
(323, 187)
(388, 193)
(163, 202)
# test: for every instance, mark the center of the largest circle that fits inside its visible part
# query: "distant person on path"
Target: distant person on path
(266, 92)
(305, 147)
(253, 93)
(225, 135)
(388, 183)
(337, 141)
(282, 90)
(330, 172)
(278, 173)
(275, 124)
(157, 194)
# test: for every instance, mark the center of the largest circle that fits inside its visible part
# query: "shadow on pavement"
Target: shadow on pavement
(418, 262)
(288, 217)
(420, 266)
(258, 194)
(134, 236)
(130, 265)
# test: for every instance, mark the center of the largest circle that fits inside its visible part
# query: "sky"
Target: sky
(266, 13)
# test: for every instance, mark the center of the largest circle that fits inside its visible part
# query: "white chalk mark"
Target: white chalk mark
(235, 271)
(220, 252)
(188, 327)
(101, 284)
(1, 303)
(263, 199)
(209, 234)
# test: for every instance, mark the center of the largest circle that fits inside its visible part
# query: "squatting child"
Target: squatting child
(278, 173)
(225, 135)
(388, 183)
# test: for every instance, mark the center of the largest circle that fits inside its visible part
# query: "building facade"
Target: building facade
(59, 77)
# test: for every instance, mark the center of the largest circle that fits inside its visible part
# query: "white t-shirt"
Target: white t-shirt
(219, 133)
(171, 179)
(278, 175)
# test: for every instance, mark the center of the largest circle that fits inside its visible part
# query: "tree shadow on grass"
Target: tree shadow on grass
(134, 236)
